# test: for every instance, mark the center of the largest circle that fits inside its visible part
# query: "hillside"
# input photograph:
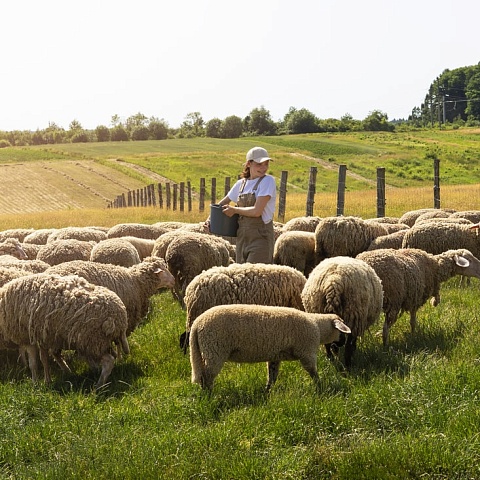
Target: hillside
(76, 176)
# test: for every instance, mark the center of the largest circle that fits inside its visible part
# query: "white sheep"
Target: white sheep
(438, 237)
(392, 240)
(255, 333)
(50, 312)
(411, 216)
(13, 247)
(65, 250)
(144, 246)
(305, 224)
(141, 230)
(247, 283)
(116, 251)
(31, 266)
(39, 236)
(295, 248)
(345, 236)
(349, 288)
(134, 285)
(18, 233)
(411, 276)
(85, 234)
(7, 274)
(472, 215)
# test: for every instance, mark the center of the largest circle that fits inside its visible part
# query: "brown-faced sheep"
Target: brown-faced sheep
(247, 283)
(349, 288)
(256, 333)
(50, 312)
(411, 276)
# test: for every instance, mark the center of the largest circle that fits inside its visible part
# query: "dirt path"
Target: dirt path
(144, 171)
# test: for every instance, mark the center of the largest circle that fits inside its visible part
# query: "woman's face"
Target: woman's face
(258, 169)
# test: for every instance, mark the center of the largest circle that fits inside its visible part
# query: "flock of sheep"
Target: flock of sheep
(86, 289)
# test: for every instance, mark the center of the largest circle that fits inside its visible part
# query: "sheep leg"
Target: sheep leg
(413, 320)
(310, 365)
(350, 347)
(57, 356)
(107, 362)
(32, 356)
(210, 371)
(46, 365)
(272, 369)
(390, 319)
(331, 349)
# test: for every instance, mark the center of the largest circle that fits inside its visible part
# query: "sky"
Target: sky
(63, 60)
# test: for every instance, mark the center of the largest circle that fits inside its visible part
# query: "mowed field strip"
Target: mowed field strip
(59, 185)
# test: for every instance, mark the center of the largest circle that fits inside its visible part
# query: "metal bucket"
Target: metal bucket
(221, 224)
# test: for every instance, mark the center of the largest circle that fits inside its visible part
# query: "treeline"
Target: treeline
(453, 98)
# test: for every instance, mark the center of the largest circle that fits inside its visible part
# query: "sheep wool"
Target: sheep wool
(247, 283)
(50, 312)
(254, 333)
(115, 251)
(134, 285)
(31, 266)
(60, 251)
(85, 234)
(349, 288)
(296, 249)
(13, 247)
(411, 276)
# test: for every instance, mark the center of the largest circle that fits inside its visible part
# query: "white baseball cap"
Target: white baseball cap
(258, 155)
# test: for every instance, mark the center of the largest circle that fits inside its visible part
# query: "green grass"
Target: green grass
(411, 411)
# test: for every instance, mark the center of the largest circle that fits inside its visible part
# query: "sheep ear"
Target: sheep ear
(339, 325)
(157, 270)
(461, 261)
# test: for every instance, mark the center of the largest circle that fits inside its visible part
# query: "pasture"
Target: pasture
(410, 411)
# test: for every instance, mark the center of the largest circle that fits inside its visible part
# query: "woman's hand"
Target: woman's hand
(229, 210)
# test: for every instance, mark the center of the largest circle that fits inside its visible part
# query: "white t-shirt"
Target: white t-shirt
(265, 188)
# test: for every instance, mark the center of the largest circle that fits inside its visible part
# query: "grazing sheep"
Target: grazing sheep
(305, 224)
(388, 220)
(134, 285)
(18, 233)
(141, 230)
(344, 236)
(411, 276)
(50, 312)
(435, 213)
(144, 246)
(349, 288)
(411, 216)
(85, 234)
(255, 333)
(13, 247)
(438, 237)
(30, 266)
(390, 227)
(248, 283)
(392, 240)
(472, 215)
(60, 251)
(39, 237)
(7, 274)
(116, 251)
(295, 248)
(190, 254)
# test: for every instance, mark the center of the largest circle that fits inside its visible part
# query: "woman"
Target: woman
(254, 195)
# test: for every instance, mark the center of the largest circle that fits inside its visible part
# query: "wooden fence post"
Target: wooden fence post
(311, 191)
(182, 196)
(214, 190)
(380, 192)
(160, 195)
(168, 195)
(201, 203)
(282, 196)
(342, 174)
(436, 183)
(189, 195)
(175, 195)
(227, 185)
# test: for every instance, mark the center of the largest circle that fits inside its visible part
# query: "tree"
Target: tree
(119, 134)
(377, 121)
(300, 121)
(135, 121)
(473, 96)
(158, 129)
(193, 126)
(75, 125)
(115, 121)
(232, 127)
(140, 132)
(214, 128)
(102, 133)
(260, 123)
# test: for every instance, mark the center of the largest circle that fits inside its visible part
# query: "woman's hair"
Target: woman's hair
(246, 170)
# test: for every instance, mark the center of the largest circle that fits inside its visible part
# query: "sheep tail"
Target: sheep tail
(196, 359)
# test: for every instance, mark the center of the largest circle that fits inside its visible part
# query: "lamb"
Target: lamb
(141, 230)
(134, 285)
(60, 251)
(13, 247)
(50, 312)
(85, 234)
(257, 333)
(344, 236)
(190, 254)
(247, 283)
(116, 251)
(349, 288)
(411, 276)
(296, 249)
(438, 237)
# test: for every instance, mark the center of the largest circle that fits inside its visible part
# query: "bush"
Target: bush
(4, 143)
